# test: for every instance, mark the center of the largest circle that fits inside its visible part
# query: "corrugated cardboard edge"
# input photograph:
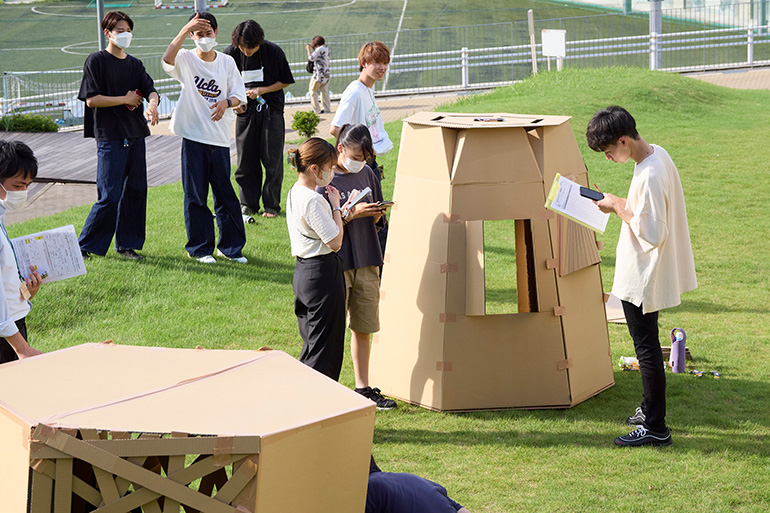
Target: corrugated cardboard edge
(456, 120)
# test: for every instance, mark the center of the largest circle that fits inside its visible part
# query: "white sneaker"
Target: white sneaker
(248, 219)
(208, 259)
(237, 260)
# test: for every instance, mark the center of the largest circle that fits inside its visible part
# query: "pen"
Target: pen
(597, 188)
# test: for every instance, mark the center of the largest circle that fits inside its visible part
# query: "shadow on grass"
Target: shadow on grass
(705, 415)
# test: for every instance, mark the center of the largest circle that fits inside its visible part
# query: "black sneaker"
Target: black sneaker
(637, 419)
(247, 211)
(130, 254)
(374, 394)
(643, 436)
(85, 254)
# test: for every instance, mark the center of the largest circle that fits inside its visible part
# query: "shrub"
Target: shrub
(27, 123)
(306, 123)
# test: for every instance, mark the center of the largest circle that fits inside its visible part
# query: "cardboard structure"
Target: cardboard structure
(437, 346)
(119, 429)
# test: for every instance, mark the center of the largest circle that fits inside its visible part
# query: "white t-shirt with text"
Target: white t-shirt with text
(357, 106)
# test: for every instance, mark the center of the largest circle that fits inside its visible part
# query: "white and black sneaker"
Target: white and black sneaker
(637, 419)
(374, 394)
(643, 436)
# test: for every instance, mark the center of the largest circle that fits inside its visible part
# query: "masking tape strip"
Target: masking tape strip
(599, 245)
(447, 317)
(450, 267)
(107, 343)
(382, 295)
(451, 218)
(376, 338)
(606, 297)
(243, 509)
(558, 311)
(48, 431)
(222, 450)
(564, 364)
(444, 366)
(386, 258)
(551, 263)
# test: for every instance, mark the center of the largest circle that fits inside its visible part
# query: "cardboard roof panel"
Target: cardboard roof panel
(68, 378)
(494, 156)
(463, 120)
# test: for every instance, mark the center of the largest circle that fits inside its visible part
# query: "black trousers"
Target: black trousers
(644, 332)
(259, 138)
(7, 354)
(319, 290)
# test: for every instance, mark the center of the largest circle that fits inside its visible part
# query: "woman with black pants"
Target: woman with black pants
(315, 230)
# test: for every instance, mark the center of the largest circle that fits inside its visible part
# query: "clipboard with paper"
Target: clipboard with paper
(565, 199)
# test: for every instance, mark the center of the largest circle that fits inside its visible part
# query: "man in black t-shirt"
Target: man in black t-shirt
(113, 87)
(259, 125)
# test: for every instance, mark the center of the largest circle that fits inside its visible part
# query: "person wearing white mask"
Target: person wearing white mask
(360, 252)
(316, 234)
(113, 87)
(203, 117)
(18, 166)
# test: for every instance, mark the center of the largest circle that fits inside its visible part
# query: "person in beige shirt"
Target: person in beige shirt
(654, 263)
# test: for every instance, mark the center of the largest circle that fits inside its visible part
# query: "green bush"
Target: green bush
(306, 123)
(27, 123)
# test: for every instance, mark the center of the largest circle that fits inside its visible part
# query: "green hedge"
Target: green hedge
(27, 123)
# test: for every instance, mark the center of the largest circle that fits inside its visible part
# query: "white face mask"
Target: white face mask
(353, 166)
(206, 44)
(326, 178)
(14, 200)
(122, 39)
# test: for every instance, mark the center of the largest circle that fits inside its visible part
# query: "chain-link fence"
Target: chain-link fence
(457, 58)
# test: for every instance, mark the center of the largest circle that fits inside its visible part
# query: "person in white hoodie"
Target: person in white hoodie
(654, 263)
(18, 167)
(203, 117)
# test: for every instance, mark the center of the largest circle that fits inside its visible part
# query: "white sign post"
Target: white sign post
(554, 45)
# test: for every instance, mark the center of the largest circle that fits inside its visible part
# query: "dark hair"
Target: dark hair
(113, 17)
(318, 41)
(249, 34)
(205, 15)
(608, 125)
(373, 51)
(16, 157)
(356, 136)
(313, 151)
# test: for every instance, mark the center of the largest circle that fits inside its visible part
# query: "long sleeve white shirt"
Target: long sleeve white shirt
(654, 263)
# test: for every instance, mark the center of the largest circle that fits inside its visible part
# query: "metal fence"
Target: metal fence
(477, 56)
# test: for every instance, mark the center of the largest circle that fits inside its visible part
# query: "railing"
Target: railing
(479, 56)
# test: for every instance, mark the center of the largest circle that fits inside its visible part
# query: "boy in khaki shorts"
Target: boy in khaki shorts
(360, 252)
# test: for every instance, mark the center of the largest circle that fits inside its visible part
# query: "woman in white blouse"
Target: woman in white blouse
(315, 230)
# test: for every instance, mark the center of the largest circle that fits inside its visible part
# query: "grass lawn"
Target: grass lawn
(550, 460)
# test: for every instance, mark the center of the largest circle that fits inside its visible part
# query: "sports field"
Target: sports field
(54, 35)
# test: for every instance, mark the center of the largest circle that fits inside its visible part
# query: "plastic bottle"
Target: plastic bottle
(678, 338)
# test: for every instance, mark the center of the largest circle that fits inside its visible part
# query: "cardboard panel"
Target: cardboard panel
(494, 156)
(418, 224)
(414, 161)
(76, 369)
(585, 333)
(14, 469)
(498, 201)
(475, 292)
(411, 340)
(278, 378)
(505, 361)
(299, 461)
(560, 154)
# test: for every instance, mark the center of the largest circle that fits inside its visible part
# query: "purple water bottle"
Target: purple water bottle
(678, 338)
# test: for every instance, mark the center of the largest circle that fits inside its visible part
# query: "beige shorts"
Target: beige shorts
(363, 299)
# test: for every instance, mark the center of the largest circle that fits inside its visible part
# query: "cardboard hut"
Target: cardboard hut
(438, 345)
(119, 429)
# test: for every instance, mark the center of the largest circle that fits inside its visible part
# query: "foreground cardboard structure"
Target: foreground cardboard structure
(113, 428)
(438, 347)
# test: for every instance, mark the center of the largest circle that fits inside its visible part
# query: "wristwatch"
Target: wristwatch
(229, 103)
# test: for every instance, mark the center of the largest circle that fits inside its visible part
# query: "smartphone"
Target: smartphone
(130, 107)
(385, 204)
(591, 194)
